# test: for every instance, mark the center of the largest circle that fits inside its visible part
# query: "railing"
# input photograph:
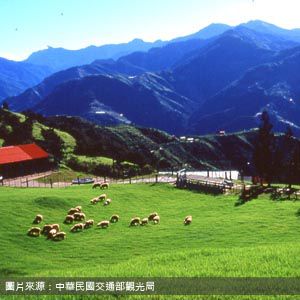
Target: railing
(43, 181)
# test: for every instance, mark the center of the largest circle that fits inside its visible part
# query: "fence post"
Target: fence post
(129, 180)
(26, 182)
(51, 183)
(156, 178)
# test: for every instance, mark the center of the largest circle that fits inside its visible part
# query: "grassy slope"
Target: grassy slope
(256, 239)
(69, 141)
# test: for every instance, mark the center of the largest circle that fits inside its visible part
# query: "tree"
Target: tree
(293, 164)
(263, 155)
(53, 143)
(4, 105)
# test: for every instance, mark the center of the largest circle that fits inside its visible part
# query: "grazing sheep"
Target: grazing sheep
(48, 227)
(79, 216)
(151, 216)
(79, 208)
(188, 220)
(59, 236)
(135, 221)
(72, 211)
(69, 219)
(144, 221)
(77, 227)
(107, 202)
(96, 185)
(156, 219)
(34, 231)
(38, 219)
(102, 197)
(114, 219)
(104, 185)
(51, 234)
(88, 224)
(94, 200)
(55, 226)
(103, 224)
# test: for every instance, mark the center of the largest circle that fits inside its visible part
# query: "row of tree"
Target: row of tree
(276, 159)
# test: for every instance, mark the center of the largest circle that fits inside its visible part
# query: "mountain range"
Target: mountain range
(220, 78)
(15, 77)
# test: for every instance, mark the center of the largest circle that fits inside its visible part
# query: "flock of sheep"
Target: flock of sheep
(52, 231)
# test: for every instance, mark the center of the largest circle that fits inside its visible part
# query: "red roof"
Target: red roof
(13, 154)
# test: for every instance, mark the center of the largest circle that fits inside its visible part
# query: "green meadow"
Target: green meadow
(257, 239)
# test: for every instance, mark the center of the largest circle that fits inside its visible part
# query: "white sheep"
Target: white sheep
(59, 236)
(69, 219)
(151, 216)
(156, 219)
(51, 233)
(102, 197)
(88, 224)
(96, 184)
(187, 220)
(103, 224)
(107, 202)
(34, 231)
(79, 216)
(79, 208)
(104, 185)
(114, 218)
(38, 219)
(77, 227)
(144, 221)
(72, 211)
(48, 227)
(94, 200)
(135, 221)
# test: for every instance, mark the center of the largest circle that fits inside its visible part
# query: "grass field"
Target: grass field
(260, 238)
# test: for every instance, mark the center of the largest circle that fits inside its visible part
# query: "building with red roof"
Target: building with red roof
(22, 160)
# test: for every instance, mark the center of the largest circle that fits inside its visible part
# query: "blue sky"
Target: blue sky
(31, 25)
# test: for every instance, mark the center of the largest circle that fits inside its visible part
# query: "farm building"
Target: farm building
(23, 160)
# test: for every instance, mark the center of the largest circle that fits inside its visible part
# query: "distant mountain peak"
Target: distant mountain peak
(137, 40)
(207, 32)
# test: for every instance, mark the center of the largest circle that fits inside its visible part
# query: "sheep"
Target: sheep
(79, 216)
(69, 219)
(156, 219)
(114, 219)
(59, 236)
(51, 233)
(79, 208)
(48, 227)
(103, 224)
(96, 184)
(144, 222)
(104, 185)
(151, 216)
(135, 221)
(187, 220)
(88, 224)
(72, 211)
(38, 219)
(102, 197)
(94, 200)
(77, 227)
(55, 226)
(34, 231)
(107, 202)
